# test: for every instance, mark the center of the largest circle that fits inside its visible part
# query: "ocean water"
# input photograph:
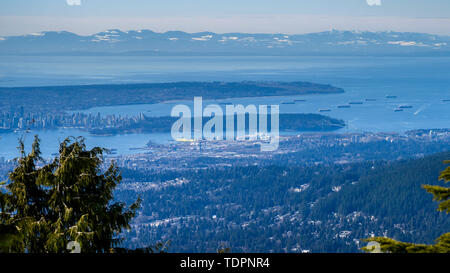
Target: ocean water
(420, 82)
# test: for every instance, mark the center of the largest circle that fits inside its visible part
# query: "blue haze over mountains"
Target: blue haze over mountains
(146, 42)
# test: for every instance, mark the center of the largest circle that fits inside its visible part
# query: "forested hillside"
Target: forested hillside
(59, 98)
(292, 209)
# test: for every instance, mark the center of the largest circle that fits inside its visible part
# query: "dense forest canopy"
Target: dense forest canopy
(286, 209)
(60, 98)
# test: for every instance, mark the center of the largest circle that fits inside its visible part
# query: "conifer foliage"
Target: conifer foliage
(442, 195)
(43, 207)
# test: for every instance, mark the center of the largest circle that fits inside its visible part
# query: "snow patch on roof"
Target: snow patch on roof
(301, 188)
(336, 188)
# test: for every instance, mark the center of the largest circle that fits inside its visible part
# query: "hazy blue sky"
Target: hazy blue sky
(286, 16)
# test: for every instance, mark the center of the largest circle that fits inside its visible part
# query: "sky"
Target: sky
(85, 17)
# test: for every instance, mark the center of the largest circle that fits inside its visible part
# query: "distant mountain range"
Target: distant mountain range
(146, 42)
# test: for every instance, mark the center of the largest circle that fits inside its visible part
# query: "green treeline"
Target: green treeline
(287, 122)
(61, 98)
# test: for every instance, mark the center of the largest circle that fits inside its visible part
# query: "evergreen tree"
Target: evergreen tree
(442, 195)
(43, 208)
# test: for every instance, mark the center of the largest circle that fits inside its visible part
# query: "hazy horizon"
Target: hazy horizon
(85, 17)
(221, 33)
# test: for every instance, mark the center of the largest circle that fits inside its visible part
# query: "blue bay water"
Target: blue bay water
(421, 82)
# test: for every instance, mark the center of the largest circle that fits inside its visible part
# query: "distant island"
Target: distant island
(57, 99)
(41, 108)
(288, 122)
